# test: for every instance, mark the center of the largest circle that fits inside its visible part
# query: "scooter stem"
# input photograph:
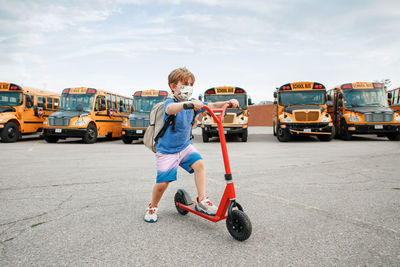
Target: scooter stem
(219, 119)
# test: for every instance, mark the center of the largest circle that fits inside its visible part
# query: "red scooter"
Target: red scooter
(237, 222)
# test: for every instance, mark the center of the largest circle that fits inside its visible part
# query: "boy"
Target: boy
(175, 148)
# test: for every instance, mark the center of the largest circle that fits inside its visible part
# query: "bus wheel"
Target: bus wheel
(205, 136)
(244, 135)
(90, 136)
(327, 137)
(127, 140)
(273, 128)
(394, 137)
(283, 135)
(345, 135)
(10, 132)
(51, 139)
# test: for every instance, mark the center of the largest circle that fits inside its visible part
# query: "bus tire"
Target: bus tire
(90, 136)
(345, 135)
(51, 139)
(205, 136)
(10, 133)
(325, 138)
(283, 135)
(244, 135)
(127, 140)
(273, 128)
(393, 137)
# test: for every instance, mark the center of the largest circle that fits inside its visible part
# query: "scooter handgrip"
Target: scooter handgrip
(188, 106)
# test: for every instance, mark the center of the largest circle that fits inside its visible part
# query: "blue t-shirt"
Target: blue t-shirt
(175, 142)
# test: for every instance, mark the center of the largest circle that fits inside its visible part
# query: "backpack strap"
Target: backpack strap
(170, 120)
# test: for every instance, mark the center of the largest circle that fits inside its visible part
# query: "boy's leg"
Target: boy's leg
(158, 191)
(200, 178)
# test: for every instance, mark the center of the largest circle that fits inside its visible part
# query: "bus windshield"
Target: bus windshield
(365, 98)
(72, 102)
(10, 98)
(217, 98)
(145, 104)
(293, 98)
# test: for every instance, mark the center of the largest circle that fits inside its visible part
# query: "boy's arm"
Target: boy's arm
(174, 108)
(220, 104)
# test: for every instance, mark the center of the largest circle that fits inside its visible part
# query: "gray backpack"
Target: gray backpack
(157, 127)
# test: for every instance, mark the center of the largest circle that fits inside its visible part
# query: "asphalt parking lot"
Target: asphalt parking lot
(311, 203)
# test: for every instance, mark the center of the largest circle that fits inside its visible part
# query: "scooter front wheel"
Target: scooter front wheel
(180, 198)
(239, 225)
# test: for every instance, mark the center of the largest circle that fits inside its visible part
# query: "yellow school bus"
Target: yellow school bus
(23, 110)
(143, 101)
(300, 109)
(236, 119)
(87, 113)
(394, 99)
(362, 108)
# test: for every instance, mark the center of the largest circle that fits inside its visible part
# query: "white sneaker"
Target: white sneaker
(151, 214)
(206, 206)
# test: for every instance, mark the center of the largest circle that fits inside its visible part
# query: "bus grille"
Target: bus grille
(58, 121)
(378, 117)
(138, 122)
(306, 116)
(229, 118)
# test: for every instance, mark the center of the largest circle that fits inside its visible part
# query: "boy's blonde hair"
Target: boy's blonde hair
(180, 75)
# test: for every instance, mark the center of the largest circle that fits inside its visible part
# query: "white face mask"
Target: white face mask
(186, 92)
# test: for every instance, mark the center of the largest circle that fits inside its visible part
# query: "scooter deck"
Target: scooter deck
(190, 208)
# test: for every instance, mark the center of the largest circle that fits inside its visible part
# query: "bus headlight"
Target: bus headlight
(326, 119)
(353, 119)
(80, 123)
(240, 122)
(397, 117)
(45, 123)
(286, 119)
(125, 124)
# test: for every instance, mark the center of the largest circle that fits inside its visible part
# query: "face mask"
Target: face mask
(186, 92)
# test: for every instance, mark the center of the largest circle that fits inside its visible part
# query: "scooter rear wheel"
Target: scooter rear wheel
(180, 198)
(239, 225)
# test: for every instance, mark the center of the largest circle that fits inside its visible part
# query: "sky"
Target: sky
(129, 45)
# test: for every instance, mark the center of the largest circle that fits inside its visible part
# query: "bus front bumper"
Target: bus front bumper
(308, 128)
(227, 130)
(373, 129)
(64, 133)
(133, 133)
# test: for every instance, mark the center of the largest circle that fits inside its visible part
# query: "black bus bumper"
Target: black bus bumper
(308, 128)
(213, 131)
(379, 129)
(64, 132)
(134, 133)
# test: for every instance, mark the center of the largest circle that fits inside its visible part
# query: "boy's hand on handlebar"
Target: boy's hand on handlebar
(234, 103)
(198, 105)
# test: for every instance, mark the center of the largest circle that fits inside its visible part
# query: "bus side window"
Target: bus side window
(121, 104)
(109, 102)
(56, 101)
(49, 103)
(41, 102)
(100, 103)
(114, 102)
(130, 105)
(29, 101)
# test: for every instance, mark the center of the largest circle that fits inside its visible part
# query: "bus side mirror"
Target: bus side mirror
(249, 102)
(340, 95)
(340, 103)
(275, 94)
(390, 95)
(275, 102)
(329, 98)
(200, 97)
